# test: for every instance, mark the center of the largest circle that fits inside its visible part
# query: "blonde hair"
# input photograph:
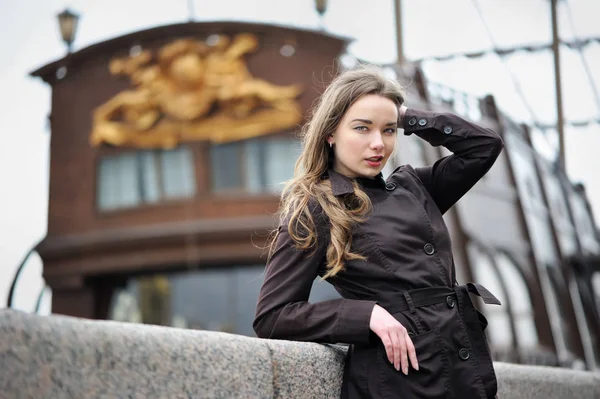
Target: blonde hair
(316, 158)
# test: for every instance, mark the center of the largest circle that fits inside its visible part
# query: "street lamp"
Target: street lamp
(321, 6)
(67, 21)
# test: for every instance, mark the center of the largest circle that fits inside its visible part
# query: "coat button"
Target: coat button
(390, 186)
(412, 121)
(429, 249)
(450, 301)
(448, 129)
(464, 354)
(422, 122)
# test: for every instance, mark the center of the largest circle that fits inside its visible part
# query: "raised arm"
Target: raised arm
(474, 149)
(283, 310)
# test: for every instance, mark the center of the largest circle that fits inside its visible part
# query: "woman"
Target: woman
(413, 332)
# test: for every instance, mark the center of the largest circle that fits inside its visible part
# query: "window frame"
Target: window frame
(162, 201)
(243, 190)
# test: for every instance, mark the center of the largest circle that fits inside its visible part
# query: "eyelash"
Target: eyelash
(389, 130)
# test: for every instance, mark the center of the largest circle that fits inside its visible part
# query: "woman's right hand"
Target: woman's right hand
(398, 345)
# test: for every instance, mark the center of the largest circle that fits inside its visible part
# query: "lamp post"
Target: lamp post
(191, 6)
(67, 21)
(321, 6)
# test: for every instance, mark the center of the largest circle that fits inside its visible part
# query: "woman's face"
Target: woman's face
(365, 137)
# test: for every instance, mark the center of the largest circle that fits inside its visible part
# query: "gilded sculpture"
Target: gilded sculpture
(189, 90)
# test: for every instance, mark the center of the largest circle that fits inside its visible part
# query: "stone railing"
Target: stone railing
(64, 357)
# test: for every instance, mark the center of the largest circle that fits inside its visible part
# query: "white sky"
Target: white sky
(430, 27)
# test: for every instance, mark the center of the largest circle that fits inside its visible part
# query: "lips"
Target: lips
(374, 161)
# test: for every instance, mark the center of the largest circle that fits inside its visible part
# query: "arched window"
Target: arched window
(520, 301)
(596, 287)
(499, 328)
(411, 151)
(573, 351)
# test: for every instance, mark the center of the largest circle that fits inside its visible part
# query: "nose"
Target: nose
(377, 142)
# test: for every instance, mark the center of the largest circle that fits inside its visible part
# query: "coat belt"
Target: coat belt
(409, 300)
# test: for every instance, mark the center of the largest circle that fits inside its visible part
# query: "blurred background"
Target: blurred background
(145, 143)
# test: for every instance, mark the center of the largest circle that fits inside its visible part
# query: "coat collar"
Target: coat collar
(342, 185)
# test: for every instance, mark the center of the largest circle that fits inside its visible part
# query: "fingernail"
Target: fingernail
(417, 368)
(405, 370)
(397, 368)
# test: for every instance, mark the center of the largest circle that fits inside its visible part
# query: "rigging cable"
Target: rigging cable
(513, 78)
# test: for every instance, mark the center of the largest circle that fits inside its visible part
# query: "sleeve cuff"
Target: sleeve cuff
(354, 322)
(415, 120)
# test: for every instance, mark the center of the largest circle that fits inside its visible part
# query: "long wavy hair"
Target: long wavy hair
(314, 161)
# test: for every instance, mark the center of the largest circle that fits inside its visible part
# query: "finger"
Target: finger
(412, 353)
(387, 343)
(395, 338)
(403, 355)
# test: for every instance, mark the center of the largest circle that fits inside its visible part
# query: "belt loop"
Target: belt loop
(410, 303)
(413, 311)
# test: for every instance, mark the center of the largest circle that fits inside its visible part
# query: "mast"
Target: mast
(398, 12)
(557, 82)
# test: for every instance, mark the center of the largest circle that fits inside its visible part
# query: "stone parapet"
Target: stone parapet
(65, 357)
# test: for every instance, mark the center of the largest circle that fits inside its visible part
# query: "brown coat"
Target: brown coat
(409, 271)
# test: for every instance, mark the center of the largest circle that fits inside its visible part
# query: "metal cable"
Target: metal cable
(513, 78)
(576, 44)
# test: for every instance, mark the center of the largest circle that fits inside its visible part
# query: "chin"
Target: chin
(370, 172)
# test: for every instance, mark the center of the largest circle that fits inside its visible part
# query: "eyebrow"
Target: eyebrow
(369, 122)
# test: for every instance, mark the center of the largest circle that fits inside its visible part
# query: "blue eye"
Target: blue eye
(390, 130)
(361, 128)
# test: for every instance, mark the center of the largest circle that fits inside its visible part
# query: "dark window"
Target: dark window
(224, 164)
(255, 166)
(218, 299)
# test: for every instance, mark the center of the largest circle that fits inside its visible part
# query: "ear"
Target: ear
(330, 140)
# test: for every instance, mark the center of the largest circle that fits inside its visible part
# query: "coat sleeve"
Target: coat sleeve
(283, 310)
(474, 151)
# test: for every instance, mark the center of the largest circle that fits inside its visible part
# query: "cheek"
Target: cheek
(354, 143)
(390, 143)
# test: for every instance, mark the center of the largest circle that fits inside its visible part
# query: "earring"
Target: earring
(330, 144)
